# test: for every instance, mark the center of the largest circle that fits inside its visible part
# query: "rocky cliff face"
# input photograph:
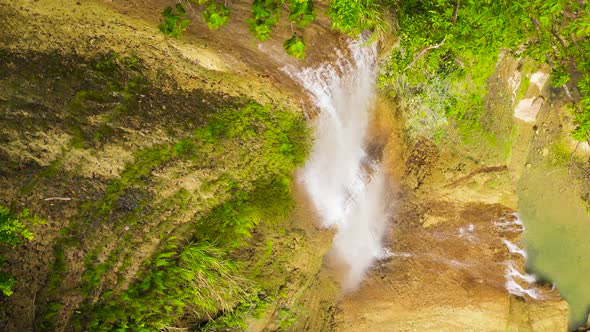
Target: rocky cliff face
(130, 145)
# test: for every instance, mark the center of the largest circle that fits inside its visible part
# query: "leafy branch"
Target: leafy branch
(174, 23)
(295, 47)
(349, 16)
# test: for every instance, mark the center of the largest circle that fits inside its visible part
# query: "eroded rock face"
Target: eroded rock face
(529, 106)
(457, 261)
(454, 265)
(96, 105)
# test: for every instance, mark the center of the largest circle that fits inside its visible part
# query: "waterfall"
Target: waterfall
(515, 278)
(346, 186)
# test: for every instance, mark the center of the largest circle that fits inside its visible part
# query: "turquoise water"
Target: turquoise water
(557, 237)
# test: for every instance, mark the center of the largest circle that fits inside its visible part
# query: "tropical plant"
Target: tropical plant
(295, 47)
(174, 23)
(435, 33)
(197, 278)
(301, 12)
(216, 15)
(265, 15)
(351, 17)
(12, 231)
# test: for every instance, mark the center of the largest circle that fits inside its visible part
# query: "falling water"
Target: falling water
(345, 185)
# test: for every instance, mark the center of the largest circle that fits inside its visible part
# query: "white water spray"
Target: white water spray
(515, 249)
(346, 187)
(514, 278)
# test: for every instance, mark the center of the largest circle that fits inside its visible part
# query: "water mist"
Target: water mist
(345, 185)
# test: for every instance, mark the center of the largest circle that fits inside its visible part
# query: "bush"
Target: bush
(354, 16)
(435, 32)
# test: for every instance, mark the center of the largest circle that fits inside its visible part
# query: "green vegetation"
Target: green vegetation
(208, 198)
(449, 48)
(295, 47)
(301, 12)
(253, 306)
(267, 13)
(581, 111)
(197, 279)
(115, 96)
(213, 169)
(348, 16)
(216, 15)
(12, 231)
(174, 24)
(353, 16)
(286, 318)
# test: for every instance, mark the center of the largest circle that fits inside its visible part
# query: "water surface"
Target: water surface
(557, 236)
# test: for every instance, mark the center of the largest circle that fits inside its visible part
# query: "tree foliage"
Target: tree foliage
(349, 16)
(436, 35)
(301, 12)
(216, 15)
(355, 16)
(174, 24)
(265, 15)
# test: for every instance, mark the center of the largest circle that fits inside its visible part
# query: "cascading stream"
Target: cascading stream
(345, 185)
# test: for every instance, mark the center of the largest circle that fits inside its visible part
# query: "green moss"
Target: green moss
(524, 86)
(58, 269)
(559, 154)
(93, 96)
(248, 152)
(134, 174)
(509, 143)
(95, 270)
(107, 64)
(52, 170)
(79, 138)
(52, 310)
